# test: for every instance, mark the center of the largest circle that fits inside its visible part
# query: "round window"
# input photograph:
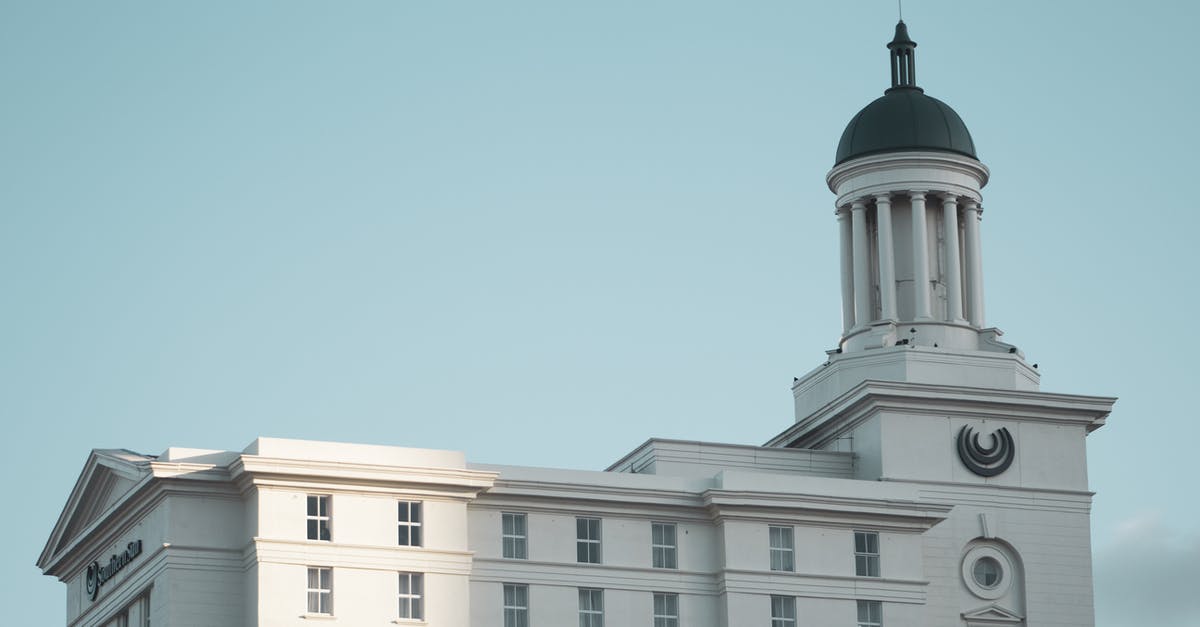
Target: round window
(987, 572)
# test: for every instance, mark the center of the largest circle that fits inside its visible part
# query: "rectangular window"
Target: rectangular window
(408, 523)
(512, 530)
(320, 590)
(412, 596)
(516, 605)
(783, 548)
(591, 607)
(866, 553)
(870, 614)
(318, 517)
(666, 610)
(662, 545)
(783, 611)
(587, 540)
(144, 606)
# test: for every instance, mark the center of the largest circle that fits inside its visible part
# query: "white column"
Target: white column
(843, 218)
(862, 272)
(954, 299)
(920, 256)
(887, 257)
(972, 214)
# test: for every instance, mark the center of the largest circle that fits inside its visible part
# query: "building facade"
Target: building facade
(926, 480)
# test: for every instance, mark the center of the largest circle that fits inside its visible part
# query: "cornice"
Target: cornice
(871, 396)
(265, 468)
(827, 510)
(889, 161)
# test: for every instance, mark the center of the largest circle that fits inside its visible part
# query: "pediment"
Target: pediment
(107, 478)
(992, 615)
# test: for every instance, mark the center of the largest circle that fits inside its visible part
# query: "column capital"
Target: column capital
(948, 197)
(884, 198)
(917, 194)
(859, 205)
(972, 205)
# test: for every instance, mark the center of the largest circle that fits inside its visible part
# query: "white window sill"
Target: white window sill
(410, 621)
(318, 617)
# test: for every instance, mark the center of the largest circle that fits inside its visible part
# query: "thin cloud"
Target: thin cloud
(1146, 575)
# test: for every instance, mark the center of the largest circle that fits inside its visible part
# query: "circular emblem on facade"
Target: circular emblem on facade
(986, 461)
(93, 581)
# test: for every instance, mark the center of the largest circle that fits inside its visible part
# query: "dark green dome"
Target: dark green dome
(904, 118)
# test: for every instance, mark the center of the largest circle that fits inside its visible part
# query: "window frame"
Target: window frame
(322, 521)
(669, 552)
(866, 562)
(516, 614)
(786, 605)
(589, 544)
(519, 542)
(411, 528)
(326, 593)
(786, 554)
(591, 616)
(411, 602)
(870, 605)
(669, 614)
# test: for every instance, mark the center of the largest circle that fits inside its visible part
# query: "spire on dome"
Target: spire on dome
(904, 60)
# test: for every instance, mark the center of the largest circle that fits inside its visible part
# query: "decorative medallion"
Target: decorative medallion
(989, 461)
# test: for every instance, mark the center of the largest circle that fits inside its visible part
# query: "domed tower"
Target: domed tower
(908, 186)
(924, 393)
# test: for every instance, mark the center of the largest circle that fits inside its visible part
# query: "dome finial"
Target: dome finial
(904, 60)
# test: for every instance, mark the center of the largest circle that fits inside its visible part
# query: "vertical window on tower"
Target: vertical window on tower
(783, 611)
(666, 609)
(866, 553)
(591, 607)
(516, 605)
(783, 549)
(587, 540)
(662, 545)
(318, 517)
(412, 596)
(408, 523)
(513, 535)
(320, 590)
(870, 614)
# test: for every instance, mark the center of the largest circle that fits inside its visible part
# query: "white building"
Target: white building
(926, 480)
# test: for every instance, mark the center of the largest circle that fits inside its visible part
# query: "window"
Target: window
(870, 614)
(318, 517)
(866, 553)
(783, 611)
(591, 607)
(320, 590)
(143, 605)
(409, 523)
(662, 545)
(512, 530)
(412, 594)
(987, 572)
(136, 614)
(516, 605)
(587, 541)
(783, 548)
(666, 609)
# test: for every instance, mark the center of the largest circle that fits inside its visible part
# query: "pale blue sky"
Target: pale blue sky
(541, 232)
